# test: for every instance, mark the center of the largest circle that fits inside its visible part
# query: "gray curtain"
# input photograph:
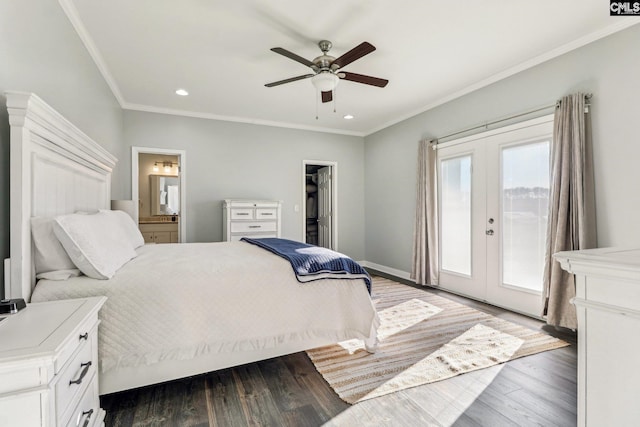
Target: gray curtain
(571, 223)
(425, 233)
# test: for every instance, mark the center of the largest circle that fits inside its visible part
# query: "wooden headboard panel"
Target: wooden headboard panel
(55, 169)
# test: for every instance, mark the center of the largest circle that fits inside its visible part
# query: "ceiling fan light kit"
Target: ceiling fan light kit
(325, 68)
(325, 81)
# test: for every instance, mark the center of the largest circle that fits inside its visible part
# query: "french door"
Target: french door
(493, 193)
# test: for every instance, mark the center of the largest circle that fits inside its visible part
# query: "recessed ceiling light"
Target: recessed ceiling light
(348, 117)
(182, 92)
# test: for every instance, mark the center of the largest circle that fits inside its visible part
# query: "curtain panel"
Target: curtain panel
(571, 221)
(424, 268)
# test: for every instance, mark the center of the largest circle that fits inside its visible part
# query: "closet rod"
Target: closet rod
(435, 142)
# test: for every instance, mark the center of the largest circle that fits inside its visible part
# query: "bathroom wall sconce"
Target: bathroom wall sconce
(166, 165)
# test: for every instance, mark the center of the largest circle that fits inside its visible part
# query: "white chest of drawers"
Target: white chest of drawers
(608, 308)
(250, 218)
(49, 365)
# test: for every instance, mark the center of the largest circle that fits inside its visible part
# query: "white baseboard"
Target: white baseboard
(384, 269)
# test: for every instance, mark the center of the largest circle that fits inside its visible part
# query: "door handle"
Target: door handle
(489, 232)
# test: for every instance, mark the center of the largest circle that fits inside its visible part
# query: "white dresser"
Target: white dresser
(49, 365)
(250, 218)
(608, 307)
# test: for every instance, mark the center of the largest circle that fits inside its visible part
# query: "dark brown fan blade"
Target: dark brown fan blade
(292, 79)
(327, 96)
(291, 55)
(368, 80)
(357, 52)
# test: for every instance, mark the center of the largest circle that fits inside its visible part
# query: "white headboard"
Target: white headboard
(55, 169)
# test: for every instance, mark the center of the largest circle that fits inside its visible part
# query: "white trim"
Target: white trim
(334, 199)
(182, 164)
(72, 13)
(504, 129)
(246, 120)
(384, 269)
(554, 53)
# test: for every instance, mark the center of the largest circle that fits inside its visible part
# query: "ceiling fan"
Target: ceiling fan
(326, 68)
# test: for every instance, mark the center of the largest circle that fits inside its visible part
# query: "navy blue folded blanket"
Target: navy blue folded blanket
(313, 262)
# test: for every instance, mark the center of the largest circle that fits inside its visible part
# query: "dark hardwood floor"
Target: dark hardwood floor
(538, 390)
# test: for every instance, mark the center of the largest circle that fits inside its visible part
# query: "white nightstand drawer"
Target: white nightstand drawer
(242, 213)
(41, 353)
(88, 411)
(77, 374)
(252, 227)
(266, 213)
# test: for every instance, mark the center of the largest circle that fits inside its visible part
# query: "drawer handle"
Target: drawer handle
(242, 213)
(85, 369)
(255, 226)
(266, 214)
(84, 336)
(86, 420)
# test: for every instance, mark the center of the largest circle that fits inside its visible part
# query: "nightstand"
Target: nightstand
(49, 365)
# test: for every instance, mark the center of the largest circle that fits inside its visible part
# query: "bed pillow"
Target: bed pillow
(96, 244)
(48, 253)
(128, 225)
(59, 274)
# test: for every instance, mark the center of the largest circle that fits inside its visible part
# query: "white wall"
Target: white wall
(40, 52)
(236, 160)
(608, 68)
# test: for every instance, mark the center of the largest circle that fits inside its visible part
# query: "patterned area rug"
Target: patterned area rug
(423, 338)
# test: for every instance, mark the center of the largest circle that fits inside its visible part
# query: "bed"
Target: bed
(173, 310)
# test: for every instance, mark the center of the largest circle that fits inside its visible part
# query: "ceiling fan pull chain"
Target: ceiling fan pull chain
(317, 104)
(334, 98)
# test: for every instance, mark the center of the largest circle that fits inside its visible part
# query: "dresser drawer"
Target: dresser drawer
(88, 412)
(262, 213)
(79, 337)
(238, 237)
(75, 376)
(242, 213)
(252, 227)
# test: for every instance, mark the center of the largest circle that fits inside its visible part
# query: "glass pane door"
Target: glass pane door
(455, 176)
(493, 199)
(525, 199)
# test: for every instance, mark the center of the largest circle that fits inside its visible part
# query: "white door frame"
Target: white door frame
(182, 165)
(334, 199)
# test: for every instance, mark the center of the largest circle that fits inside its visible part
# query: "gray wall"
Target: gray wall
(236, 160)
(608, 68)
(40, 52)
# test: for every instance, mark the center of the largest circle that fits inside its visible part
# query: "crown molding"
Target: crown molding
(554, 53)
(72, 13)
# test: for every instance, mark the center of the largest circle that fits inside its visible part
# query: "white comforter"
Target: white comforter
(179, 301)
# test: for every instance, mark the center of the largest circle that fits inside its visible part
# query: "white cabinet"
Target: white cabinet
(49, 365)
(608, 307)
(250, 218)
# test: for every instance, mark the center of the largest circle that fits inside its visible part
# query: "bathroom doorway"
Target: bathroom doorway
(158, 185)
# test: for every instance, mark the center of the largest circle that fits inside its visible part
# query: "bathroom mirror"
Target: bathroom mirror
(165, 195)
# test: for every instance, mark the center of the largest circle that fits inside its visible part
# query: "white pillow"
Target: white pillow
(128, 225)
(48, 254)
(59, 274)
(97, 244)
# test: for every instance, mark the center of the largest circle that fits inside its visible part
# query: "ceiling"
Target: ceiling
(431, 51)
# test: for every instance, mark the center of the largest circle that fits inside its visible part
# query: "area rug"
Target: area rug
(423, 338)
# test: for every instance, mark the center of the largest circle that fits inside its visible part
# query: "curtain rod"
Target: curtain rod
(436, 141)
